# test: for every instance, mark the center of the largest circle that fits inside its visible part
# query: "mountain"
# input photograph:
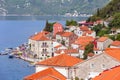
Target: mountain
(108, 12)
(51, 7)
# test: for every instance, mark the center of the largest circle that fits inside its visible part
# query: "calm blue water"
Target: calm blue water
(14, 69)
(13, 34)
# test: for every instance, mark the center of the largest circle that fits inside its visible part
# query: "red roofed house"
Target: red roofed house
(47, 74)
(57, 27)
(109, 74)
(115, 44)
(103, 43)
(94, 66)
(62, 63)
(71, 52)
(40, 45)
(84, 31)
(82, 41)
(66, 37)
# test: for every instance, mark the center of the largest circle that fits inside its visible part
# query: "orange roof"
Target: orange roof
(111, 74)
(62, 60)
(58, 46)
(47, 74)
(57, 24)
(89, 31)
(84, 28)
(67, 51)
(115, 43)
(84, 40)
(113, 52)
(41, 36)
(91, 54)
(67, 34)
(102, 39)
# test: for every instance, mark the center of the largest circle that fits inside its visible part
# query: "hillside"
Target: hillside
(108, 11)
(50, 7)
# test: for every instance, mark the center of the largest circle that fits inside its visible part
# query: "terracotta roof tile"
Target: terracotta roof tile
(111, 74)
(84, 40)
(62, 60)
(41, 36)
(91, 54)
(115, 43)
(67, 34)
(67, 51)
(84, 28)
(102, 39)
(47, 74)
(113, 52)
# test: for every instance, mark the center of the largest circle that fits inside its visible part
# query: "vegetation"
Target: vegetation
(101, 30)
(71, 23)
(116, 21)
(51, 7)
(48, 26)
(107, 11)
(88, 49)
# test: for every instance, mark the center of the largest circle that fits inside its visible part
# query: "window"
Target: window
(103, 66)
(91, 65)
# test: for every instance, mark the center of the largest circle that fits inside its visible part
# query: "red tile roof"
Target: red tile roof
(113, 52)
(67, 51)
(115, 43)
(84, 40)
(41, 36)
(91, 54)
(102, 39)
(47, 74)
(84, 28)
(111, 74)
(62, 60)
(67, 34)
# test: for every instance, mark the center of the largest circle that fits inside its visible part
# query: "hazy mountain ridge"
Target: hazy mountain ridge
(50, 7)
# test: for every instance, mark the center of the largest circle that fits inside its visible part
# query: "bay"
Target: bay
(12, 34)
(15, 31)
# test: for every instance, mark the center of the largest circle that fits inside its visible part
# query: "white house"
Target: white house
(103, 43)
(61, 63)
(92, 67)
(84, 31)
(40, 45)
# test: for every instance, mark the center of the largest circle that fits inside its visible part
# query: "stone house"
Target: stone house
(66, 38)
(40, 45)
(103, 43)
(62, 63)
(109, 74)
(98, 63)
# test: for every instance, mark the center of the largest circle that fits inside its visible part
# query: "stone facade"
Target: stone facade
(43, 49)
(94, 66)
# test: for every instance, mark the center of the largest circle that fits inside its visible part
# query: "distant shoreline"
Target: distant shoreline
(48, 17)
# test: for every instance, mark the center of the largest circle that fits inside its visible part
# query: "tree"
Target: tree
(116, 21)
(71, 23)
(88, 49)
(118, 37)
(49, 26)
